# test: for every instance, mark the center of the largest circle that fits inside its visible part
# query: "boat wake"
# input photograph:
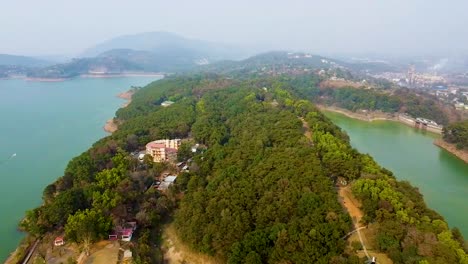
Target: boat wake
(6, 160)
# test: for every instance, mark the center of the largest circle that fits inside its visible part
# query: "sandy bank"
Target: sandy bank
(110, 126)
(127, 95)
(378, 116)
(461, 154)
(46, 79)
(364, 116)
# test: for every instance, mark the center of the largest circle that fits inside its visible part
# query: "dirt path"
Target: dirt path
(352, 205)
(175, 252)
(306, 129)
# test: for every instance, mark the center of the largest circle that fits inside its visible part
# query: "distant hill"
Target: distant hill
(168, 59)
(278, 62)
(146, 52)
(120, 61)
(9, 60)
(97, 65)
(275, 62)
(167, 43)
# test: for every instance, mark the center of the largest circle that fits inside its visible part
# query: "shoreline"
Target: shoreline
(354, 115)
(142, 74)
(452, 149)
(372, 116)
(45, 79)
(111, 125)
(33, 79)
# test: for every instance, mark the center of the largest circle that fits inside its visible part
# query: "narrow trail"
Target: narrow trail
(352, 232)
(306, 129)
(356, 214)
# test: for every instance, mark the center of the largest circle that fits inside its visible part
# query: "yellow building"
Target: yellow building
(163, 150)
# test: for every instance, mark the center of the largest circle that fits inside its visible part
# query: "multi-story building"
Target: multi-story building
(163, 150)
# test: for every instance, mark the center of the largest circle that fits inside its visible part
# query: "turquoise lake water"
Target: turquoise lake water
(47, 124)
(409, 153)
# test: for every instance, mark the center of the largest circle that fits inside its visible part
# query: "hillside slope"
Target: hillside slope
(168, 43)
(9, 60)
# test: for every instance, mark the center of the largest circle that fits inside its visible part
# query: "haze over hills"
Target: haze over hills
(9, 60)
(167, 52)
(145, 52)
(168, 43)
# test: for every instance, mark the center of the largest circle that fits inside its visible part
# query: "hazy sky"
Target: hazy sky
(38, 27)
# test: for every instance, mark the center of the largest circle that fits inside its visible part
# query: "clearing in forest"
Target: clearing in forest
(352, 205)
(175, 252)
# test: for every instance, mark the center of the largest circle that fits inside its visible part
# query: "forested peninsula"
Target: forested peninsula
(455, 139)
(265, 188)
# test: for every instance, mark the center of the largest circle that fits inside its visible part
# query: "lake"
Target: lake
(46, 124)
(409, 153)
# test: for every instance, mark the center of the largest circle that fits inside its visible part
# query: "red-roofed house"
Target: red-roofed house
(59, 241)
(126, 234)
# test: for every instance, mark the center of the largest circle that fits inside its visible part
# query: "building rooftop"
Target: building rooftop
(155, 145)
(167, 103)
(170, 178)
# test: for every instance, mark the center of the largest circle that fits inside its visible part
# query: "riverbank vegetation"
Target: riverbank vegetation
(457, 134)
(371, 99)
(262, 192)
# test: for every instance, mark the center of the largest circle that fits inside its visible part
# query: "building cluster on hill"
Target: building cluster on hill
(163, 150)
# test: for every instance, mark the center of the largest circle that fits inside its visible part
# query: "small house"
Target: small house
(166, 103)
(113, 236)
(123, 233)
(168, 181)
(127, 234)
(59, 241)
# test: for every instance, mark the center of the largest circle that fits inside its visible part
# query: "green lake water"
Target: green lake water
(409, 153)
(47, 124)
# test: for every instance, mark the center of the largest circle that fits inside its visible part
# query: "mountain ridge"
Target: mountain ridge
(20, 60)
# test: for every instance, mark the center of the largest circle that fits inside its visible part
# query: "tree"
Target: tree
(185, 151)
(87, 225)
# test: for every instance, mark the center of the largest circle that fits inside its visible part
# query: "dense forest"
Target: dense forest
(262, 192)
(457, 133)
(353, 99)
